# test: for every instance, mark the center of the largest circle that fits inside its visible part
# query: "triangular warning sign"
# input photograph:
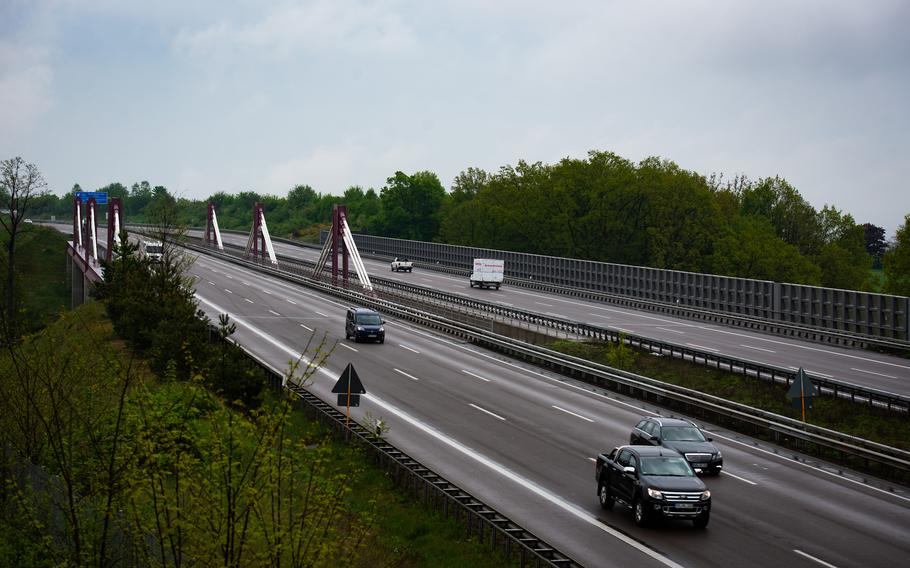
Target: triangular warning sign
(349, 382)
(802, 390)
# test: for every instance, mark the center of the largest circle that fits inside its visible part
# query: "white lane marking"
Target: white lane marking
(600, 316)
(475, 375)
(412, 377)
(229, 277)
(409, 348)
(348, 346)
(572, 413)
(249, 300)
(809, 466)
(757, 348)
(560, 316)
(212, 283)
(245, 283)
(275, 313)
(810, 557)
(725, 472)
(625, 330)
(505, 304)
(290, 301)
(487, 411)
(267, 292)
(426, 279)
(806, 347)
(672, 330)
(228, 291)
(702, 347)
(476, 456)
(320, 313)
(508, 473)
(524, 371)
(873, 373)
(820, 374)
(543, 304)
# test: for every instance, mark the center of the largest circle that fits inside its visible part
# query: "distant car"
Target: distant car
(684, 437)
(402, 265)
(29, 221)
(363, 323)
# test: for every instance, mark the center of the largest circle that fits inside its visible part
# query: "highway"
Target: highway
(523, 440)
(875, 370)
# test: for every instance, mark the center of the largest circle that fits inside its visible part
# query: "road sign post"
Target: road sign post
(348, 388)
(801, 392)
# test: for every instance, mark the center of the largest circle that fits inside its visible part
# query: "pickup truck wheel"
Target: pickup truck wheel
(701, 521)
(603, 494)
(639, 513)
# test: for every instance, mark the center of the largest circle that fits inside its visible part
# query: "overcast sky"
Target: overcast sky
(230, 95)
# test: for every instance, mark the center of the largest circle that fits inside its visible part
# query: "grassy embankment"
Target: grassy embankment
(403, 533)
(840, 415)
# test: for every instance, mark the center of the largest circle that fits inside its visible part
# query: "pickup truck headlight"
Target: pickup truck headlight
(359, 328)
(718, 455)
(705, 495)
(381, 329)
(655, 494)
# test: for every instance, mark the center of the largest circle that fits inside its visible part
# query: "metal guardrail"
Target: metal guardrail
(861, 454)
(483, 523)
(840, 389)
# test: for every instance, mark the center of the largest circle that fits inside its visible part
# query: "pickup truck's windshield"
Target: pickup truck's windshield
(675, 467)
(681, 434)
(369, 319)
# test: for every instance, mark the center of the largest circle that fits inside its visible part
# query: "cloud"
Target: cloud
(291, 28)
(334, 168)
(25, 87)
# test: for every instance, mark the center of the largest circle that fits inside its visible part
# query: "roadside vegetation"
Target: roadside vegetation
(840, 415)
(133, 435)
(606, 208)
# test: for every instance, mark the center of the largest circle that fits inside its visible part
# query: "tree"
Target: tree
(412, 206)
(875, 243)
(896, 262)
(20, 184)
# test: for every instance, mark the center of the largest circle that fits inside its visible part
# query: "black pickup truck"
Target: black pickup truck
(655, 482)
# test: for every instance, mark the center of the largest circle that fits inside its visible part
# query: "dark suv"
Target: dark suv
(684, 437)
(362, 323)
(655, 482)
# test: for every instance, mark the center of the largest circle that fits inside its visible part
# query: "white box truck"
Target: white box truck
(487, 273)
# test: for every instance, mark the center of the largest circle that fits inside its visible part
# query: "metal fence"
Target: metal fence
(863, 313)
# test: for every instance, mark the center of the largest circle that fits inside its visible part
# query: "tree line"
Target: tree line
(603, 207)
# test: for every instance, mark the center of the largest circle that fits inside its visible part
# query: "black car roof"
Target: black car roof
(363, 311)
(652, 451)
(670, 421)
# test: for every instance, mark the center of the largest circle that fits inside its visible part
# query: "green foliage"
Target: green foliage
(602, 208)
(896, 262)
(41, 265)
(153, 307)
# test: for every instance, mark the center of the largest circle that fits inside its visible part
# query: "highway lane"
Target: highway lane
(887, 373)
(523, 440)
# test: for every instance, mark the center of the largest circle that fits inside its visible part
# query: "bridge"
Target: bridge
(519, 438)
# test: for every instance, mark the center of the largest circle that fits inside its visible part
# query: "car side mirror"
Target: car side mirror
(629, 469)
(655, 440)
(710, 439)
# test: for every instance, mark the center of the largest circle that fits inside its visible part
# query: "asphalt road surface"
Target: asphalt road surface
(874, 370)
(524, 440)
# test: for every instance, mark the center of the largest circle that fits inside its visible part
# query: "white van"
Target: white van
(488, 273)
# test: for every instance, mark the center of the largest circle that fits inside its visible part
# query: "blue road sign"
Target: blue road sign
(100, 196)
